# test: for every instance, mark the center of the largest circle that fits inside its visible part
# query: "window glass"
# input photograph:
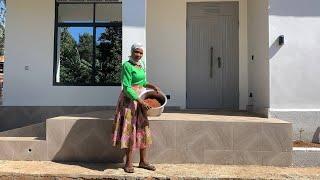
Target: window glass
(74, 53)
(108, 54)
(88, 51)
(108, 13)
(75, 13)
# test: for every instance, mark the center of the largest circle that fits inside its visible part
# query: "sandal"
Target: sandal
(128, 169)
(147, 166)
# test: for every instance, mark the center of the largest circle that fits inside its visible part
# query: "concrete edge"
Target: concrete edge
(306, 149)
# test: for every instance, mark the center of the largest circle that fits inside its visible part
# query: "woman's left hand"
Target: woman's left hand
(154, 87)
(157, 89)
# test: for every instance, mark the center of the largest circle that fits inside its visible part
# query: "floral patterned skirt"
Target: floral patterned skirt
(131, 125)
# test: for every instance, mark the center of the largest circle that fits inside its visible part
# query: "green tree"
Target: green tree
(73, 68)
(3, 11)
(109, 56)
(76, 58)
(85, 47)
(2, 39)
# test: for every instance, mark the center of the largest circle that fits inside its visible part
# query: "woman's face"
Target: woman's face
(137, 54)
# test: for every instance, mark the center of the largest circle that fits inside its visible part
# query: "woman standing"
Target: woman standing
(131, 125)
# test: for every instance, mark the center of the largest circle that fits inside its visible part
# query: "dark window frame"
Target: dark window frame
(94, 25)
(1, 67)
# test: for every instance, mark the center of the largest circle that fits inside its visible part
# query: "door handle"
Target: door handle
(219, 62)
(211, 62)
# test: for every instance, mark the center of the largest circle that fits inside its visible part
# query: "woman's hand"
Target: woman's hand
(157, 89)
(154, 87)
(146, 106)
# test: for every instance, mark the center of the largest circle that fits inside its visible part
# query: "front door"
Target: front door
(213, 55)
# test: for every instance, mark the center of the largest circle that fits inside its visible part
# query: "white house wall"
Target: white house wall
(134, 25)
(295, 68)
(30, 37)
(258, 48)
(29, 42)
(166, 48)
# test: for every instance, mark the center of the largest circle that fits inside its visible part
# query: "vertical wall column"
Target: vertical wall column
(134, 25)
(243, 55)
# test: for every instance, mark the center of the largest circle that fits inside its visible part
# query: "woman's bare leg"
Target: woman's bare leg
(129, 157)
(143, 155)
(143, 160)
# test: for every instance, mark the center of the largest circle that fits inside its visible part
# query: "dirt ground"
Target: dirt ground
(305, 144)
(54, 170)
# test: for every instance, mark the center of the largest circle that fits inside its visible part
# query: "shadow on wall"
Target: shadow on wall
(294, 7)
(86, 140)
(137, 12)
(274, 48)
(10, 116)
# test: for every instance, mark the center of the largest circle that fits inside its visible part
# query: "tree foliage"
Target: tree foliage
(2, 25)
(76, 58)
(73, 68)
(109, 56)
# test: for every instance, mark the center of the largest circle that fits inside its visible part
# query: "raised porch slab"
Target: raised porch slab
(178, 137)
(224, 138)
(23, 148)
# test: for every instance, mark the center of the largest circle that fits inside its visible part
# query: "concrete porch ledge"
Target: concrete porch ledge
(13, 117)
(306, 157)
(227, 138)
(26, 121)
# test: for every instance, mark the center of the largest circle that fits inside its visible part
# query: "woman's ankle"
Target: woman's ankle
(143, 162)
(128, 165)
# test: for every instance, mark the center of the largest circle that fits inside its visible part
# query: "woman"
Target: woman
(131, 126)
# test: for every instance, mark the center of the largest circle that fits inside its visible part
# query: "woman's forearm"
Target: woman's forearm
(151, 86)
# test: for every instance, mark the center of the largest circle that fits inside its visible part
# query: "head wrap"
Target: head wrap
(136, 46)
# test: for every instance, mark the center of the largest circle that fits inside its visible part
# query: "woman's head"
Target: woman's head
(136, 51)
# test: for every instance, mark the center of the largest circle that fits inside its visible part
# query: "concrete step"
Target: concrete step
(223, 138)
(23, 148)
(36, 130)
(306, 157)
(178, 137)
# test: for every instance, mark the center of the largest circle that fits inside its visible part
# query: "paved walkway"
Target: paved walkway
(52, 170)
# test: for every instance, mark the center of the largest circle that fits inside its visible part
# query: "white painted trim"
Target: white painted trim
(243, 50)
(294, 110)
(306, 149)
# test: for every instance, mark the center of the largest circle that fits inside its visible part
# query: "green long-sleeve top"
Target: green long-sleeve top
(132, 75)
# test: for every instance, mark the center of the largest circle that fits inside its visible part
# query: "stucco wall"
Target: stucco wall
(29, 42)
(258, 47)
(295, 67)
(166, 47)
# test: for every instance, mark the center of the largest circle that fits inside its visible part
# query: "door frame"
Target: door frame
(243, 51)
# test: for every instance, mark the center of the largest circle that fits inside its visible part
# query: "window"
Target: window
(88, 43)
